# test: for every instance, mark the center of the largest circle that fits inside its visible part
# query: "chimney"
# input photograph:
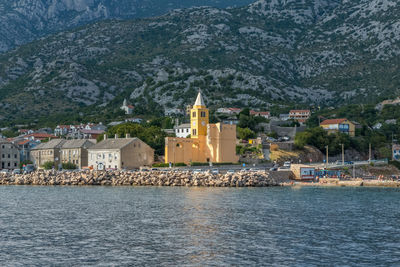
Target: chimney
(105, 137)
(128, 135)
(116, 136)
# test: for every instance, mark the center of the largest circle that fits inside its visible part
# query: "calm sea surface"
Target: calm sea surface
(153, 226)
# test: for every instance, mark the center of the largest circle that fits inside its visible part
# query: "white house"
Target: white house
(127, 108)
(182, 130)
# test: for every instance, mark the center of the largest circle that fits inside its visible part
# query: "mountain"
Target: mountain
(22, 21)
(271, 51)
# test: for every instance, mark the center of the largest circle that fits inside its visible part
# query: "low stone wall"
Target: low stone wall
(116, 178)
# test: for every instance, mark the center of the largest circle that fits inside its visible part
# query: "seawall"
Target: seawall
(154, 178)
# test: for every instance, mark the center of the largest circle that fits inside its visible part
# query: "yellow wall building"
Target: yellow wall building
(339, 125)
(208, 142)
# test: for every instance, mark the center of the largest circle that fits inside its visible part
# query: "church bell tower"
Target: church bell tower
(199, 118)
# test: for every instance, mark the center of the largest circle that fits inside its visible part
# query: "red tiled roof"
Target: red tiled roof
(333, 121)
(131, 107)
(41, 135)
(23, 142)
(64, 126)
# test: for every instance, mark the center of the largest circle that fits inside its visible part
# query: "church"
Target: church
(207, 143)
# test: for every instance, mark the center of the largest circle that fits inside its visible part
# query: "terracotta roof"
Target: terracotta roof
(23, 142)
(333, 121)
(41, 135)
(131, 107)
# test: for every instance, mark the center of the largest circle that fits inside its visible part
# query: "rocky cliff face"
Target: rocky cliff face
(310, 51)
(22, 21)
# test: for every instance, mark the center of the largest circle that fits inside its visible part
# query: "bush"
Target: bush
(69, 166)
(164, 165)
(48, 165)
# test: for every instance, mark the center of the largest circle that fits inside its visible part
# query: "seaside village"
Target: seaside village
(195, 143)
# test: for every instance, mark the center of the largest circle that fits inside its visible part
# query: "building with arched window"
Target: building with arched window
(207, 142)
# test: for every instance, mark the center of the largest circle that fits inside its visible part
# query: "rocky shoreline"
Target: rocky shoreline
(158, 178)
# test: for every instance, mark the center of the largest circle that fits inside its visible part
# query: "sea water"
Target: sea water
(171, 226)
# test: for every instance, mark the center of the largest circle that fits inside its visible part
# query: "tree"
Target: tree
(48, 165)
(245, 133)
(152, 135)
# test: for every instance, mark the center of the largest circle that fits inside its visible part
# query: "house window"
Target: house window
(15, 156)
(194, 114)
(15, 164)
(9, 164)
(203, 114)
(194, 132)
(9, 156)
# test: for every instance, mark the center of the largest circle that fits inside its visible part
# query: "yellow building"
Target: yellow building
(208, 142)
(339, 125)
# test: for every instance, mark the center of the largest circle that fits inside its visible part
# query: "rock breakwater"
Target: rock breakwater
(117, 178)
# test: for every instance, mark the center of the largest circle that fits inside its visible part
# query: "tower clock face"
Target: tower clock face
(203, 123)
(194, 123)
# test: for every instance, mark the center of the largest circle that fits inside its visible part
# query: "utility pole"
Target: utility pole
(369, 159)
(342, 154)
(327, 157)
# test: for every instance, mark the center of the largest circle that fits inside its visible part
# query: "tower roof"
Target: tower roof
(199, 100)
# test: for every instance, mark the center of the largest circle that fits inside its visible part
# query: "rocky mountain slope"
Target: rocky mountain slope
(22, 21)
(272, 51)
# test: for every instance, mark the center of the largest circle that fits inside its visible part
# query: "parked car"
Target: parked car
(287, 164)
(197, 171)
(16, 171)
(214, 171)
(230, 171)
(4, 171)
(29, 168)
(273, 169)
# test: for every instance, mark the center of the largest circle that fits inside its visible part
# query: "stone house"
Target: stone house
(76, 152)
(49, 151)
(9, 155)
(120, 153)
